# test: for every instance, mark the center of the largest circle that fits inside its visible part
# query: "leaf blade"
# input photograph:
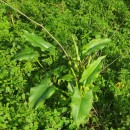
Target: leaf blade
(37, 41)
(41, 92)
(95, 45)
(81, 106)
(92, 71)
(26, 54)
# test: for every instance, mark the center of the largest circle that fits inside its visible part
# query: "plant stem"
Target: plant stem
(65, 94)
(38, 25)
(39, 63)
(110, 64)
(76, 48)
(74, 77)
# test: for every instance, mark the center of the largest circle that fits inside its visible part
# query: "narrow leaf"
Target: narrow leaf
(41, 92)
(81, 106)
(37, 41)
(92, 71)
(76, 48)
(95, 45)
(26, 54)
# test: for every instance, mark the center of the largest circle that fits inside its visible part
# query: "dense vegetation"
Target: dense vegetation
(74, 23)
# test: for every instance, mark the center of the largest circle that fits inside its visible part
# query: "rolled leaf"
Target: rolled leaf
(81, 106)
(41, 92)
(26, 54)
(37, 41)
(95, 45)
(92, 71)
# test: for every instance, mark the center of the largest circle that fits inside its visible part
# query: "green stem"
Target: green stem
(76, 49)
(39, 63)
(74, 77)
(65, 94)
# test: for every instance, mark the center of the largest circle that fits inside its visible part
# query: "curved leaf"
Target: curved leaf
(37, 41)
(95, 45)
(41, 92)
(92, 71)
(81, 106)
(26, 54)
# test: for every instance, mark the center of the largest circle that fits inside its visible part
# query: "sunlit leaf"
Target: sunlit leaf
(26, 54)
(41, 92)
(37, 41)
(92, 71)
(70, 88)
(95, 45)
(67, 77)
(81, 105)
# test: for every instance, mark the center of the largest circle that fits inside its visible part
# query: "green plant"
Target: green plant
(87, 20)
(79, 76)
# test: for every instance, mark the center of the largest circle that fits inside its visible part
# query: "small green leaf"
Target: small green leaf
(70, 88)
(26, 54)
(81, 106)
(92, 71)
(41, 92)
(67, 77)
(95, 45)
(37, 41)
(59, 70)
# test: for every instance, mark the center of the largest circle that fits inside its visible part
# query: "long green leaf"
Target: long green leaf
(37, 41)
(81, 106)
(41, 92)
(92, 71)
(95, 45)
(26, 54)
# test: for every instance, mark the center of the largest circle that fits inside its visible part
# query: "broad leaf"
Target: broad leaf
(37, 41)
(95, 45)
(92, 71)
(26, 54)
(41, 92)
(81, 106)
